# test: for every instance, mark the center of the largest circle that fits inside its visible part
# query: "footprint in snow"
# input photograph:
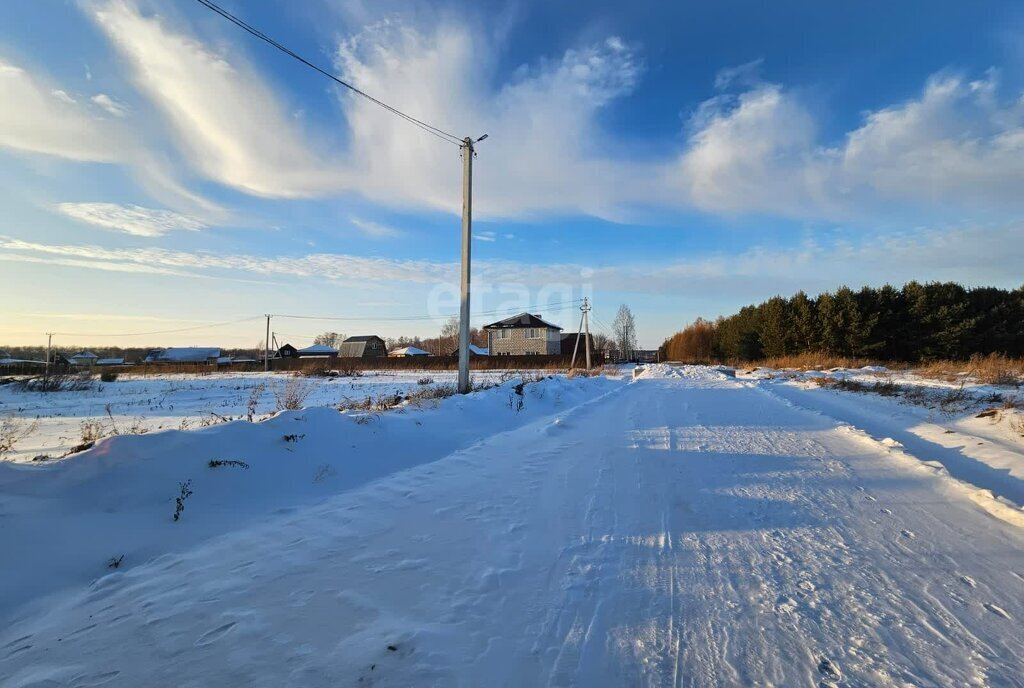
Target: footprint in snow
(806, 586)
(998, 611)
(968, 581)
(829, 669)
(93, 680)
(885, 511)
(215, 634)
(907, 533)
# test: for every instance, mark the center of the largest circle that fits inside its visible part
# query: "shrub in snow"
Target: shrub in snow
(254, 400)
(179, 501)
(293, 395)
(108, 376)
(217, 463)
(56, 382)
(92, 430)
(12, 431)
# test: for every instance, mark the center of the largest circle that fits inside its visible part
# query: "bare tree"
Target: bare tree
(603, 342)
(450, 334)
(331, 339)
(624, 330)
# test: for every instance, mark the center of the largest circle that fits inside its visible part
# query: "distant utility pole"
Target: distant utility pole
(583, 328)
(49, 342)
(266, 348)
(467, 240)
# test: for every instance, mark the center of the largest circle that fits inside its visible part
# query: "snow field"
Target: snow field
(685, 529)
(60, 421)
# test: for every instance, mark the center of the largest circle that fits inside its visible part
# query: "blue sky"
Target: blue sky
(160, 169)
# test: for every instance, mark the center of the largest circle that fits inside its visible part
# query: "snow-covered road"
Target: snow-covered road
(687, 529)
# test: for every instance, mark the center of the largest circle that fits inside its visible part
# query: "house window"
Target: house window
(502, 334)
(534, 333)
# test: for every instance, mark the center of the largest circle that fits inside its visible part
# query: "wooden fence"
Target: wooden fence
(349, 365)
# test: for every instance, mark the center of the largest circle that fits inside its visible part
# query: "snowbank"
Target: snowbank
(63, 521)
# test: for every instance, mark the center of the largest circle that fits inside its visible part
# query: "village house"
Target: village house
(287, 351)
(523, 335)
(474, 350)
(406, 352)
(569, 340)
(83, 359)
(184, 354)
(364, 346)
(317, 351)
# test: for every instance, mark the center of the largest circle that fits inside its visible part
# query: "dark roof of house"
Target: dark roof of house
(521, 320)
(362, 338)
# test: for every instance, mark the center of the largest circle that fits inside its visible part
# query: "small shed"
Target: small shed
(364, 346)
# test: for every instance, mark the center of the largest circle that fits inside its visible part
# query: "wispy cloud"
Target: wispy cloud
(130, 219)
(374, 229)
(485, 236)
(746, 75)
(37, 117)
(969, 254)
(110, 105)
(224, 117)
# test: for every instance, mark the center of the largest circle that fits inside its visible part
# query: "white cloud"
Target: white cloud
(485, 236)
(956, 146)
(110, 105)
(131, 219)
(955, 142)
(750, 152)
(545, 152)
(36, 117)
(374, 229)
(224, 117)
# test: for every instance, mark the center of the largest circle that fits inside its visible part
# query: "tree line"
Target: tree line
(917, 322)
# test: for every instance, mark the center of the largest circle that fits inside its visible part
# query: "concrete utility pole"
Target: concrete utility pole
(583, 328)
(586, 326)
(266, 348)
(467, 240)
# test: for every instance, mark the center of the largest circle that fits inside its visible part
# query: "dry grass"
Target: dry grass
(810, 361)
(992, 370)
(946, 400)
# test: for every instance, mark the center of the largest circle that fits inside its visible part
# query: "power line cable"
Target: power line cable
(414, 317)
(143, 334)
(440, 133)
